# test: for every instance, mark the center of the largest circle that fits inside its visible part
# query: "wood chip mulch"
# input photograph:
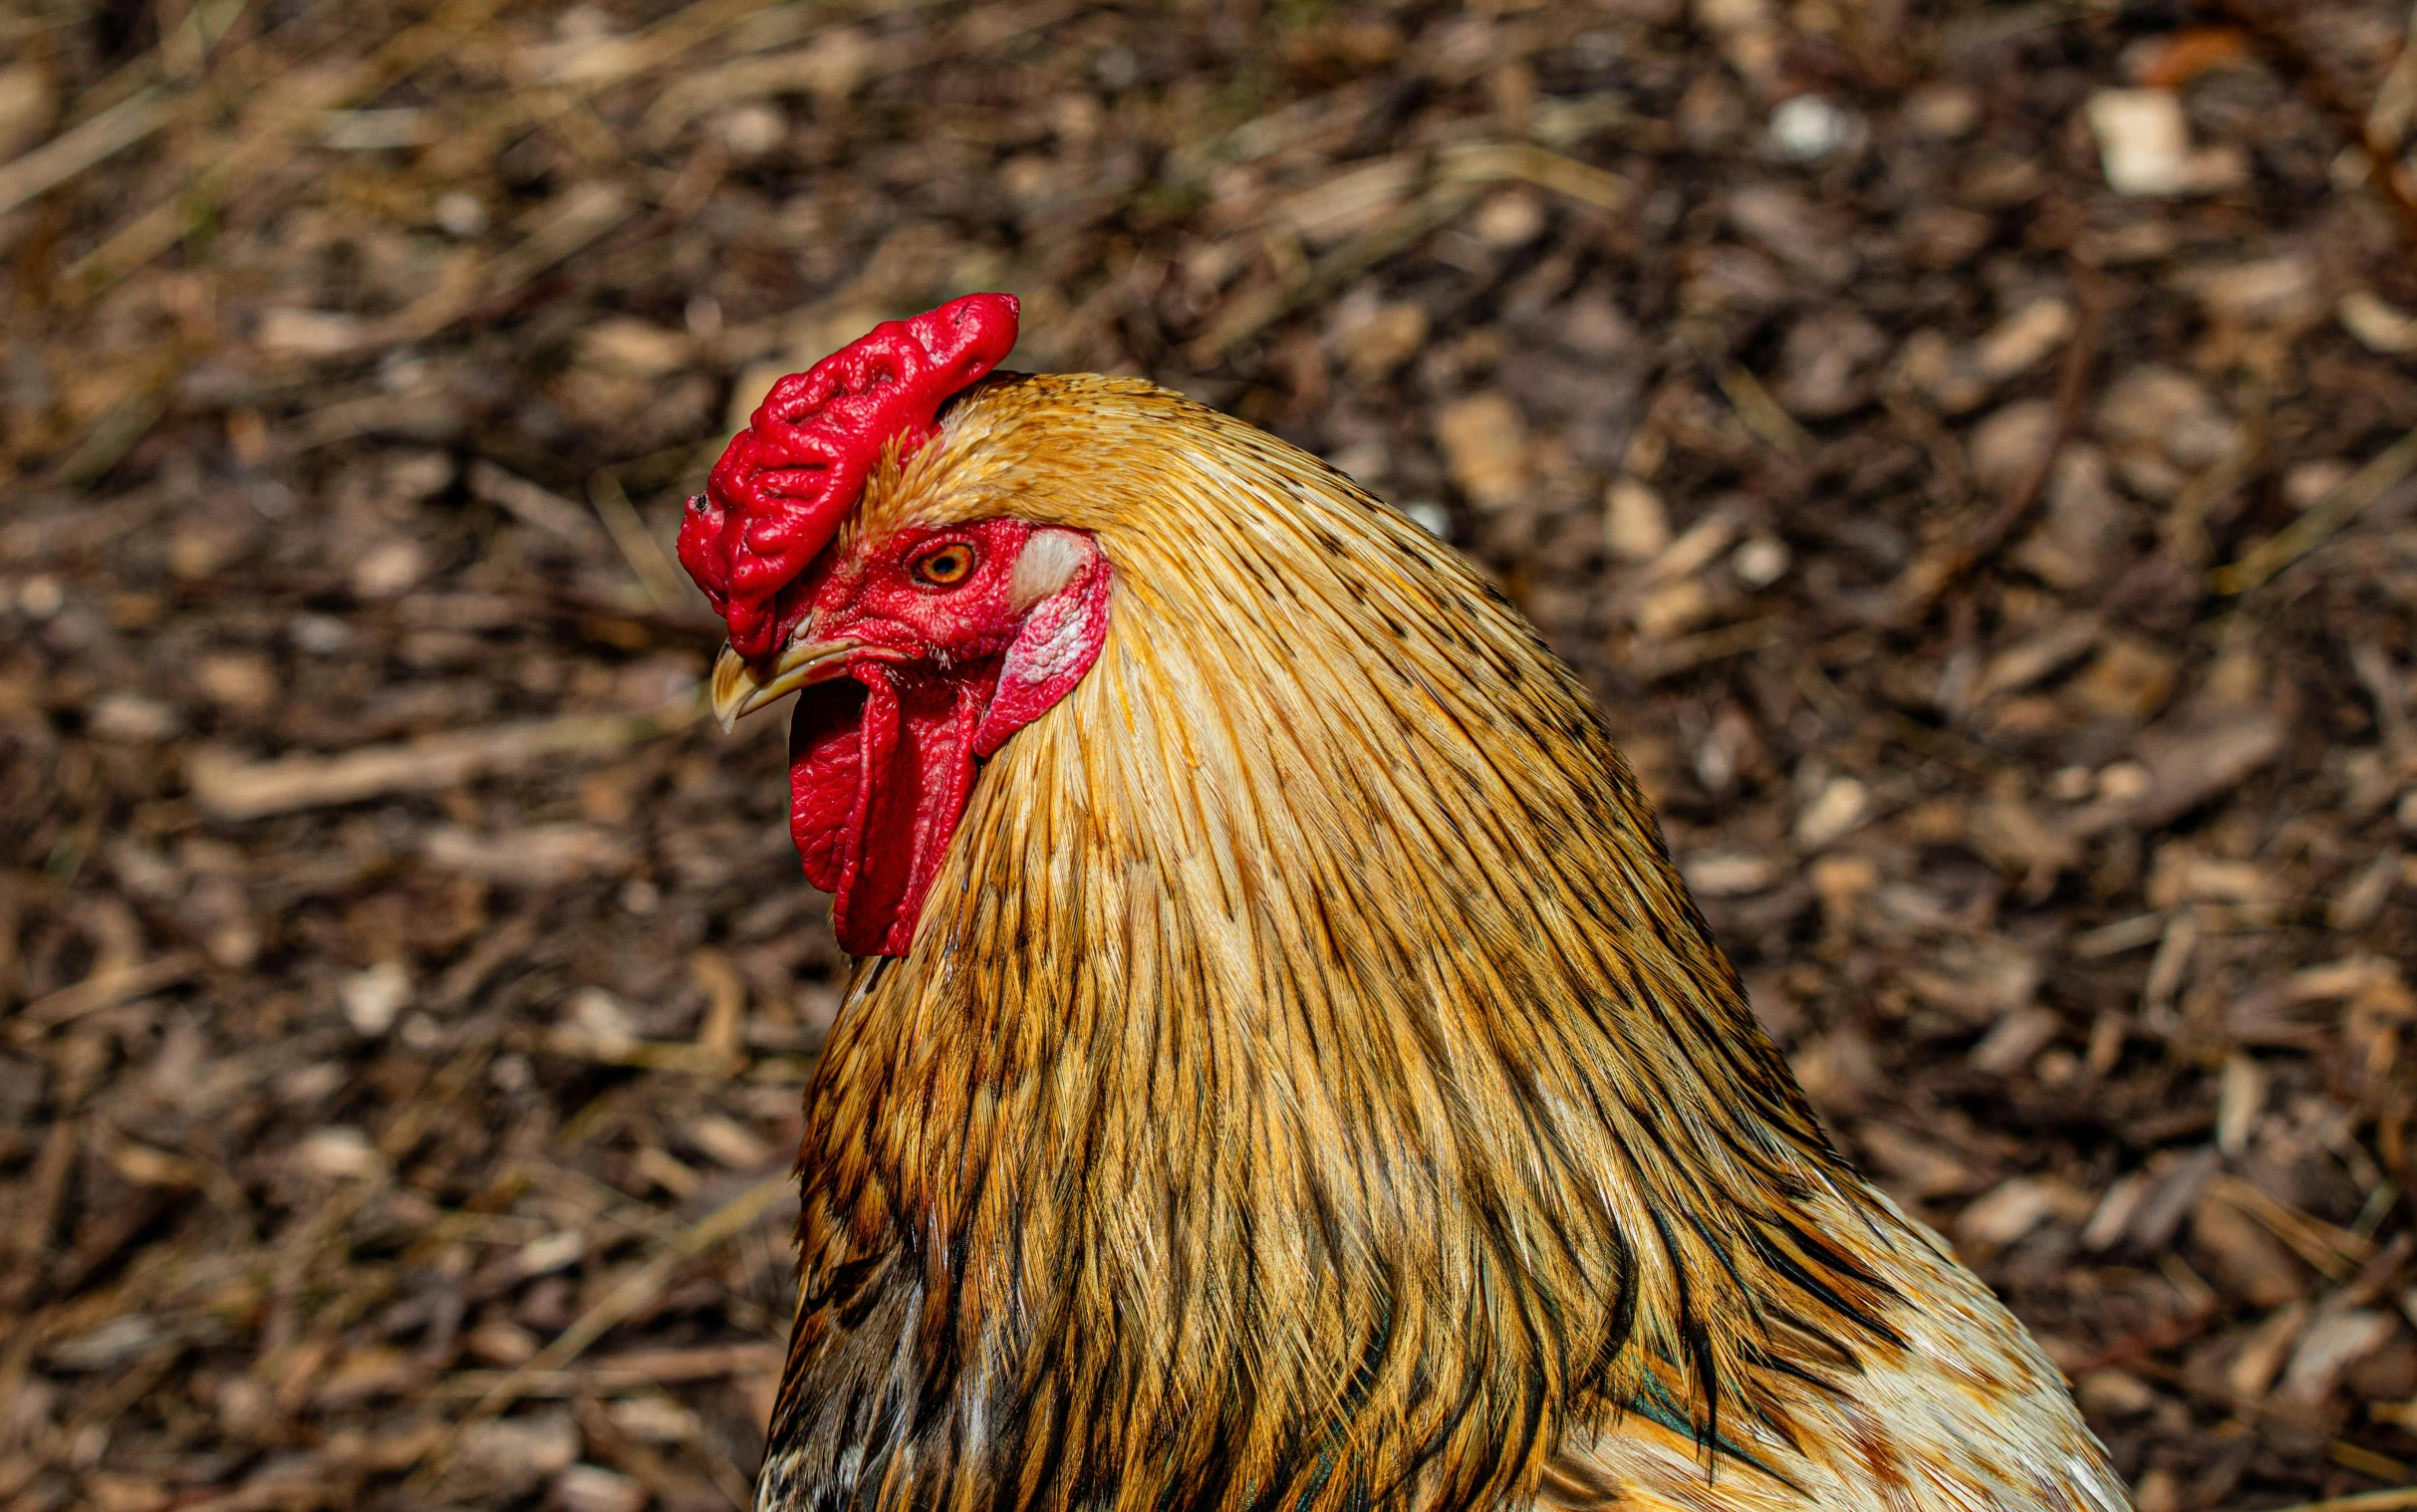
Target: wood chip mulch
(1972, 449)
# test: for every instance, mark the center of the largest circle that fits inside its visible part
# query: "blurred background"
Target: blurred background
(1970, 447)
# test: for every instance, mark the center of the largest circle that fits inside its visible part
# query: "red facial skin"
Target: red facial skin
(881, 758)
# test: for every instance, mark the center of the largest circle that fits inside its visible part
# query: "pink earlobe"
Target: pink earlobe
(1060, 639)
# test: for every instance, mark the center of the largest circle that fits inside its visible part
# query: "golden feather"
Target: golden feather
(1312, 1089)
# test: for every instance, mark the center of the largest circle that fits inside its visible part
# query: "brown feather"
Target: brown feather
(1312, 1087)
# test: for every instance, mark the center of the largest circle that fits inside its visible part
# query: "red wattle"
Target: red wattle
(879, 773)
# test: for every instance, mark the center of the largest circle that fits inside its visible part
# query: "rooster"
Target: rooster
(1282, 1071)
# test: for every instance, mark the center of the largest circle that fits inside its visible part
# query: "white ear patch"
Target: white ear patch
(1050, 560)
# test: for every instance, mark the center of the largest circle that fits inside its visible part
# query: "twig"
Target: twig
(2335, 510)
(1936, 571)
(654, 570)
(126, 106)
(2291, 59)
(68, 153)
(2273, 1413)
(710, 1233)
(1691, 651)
(721, 1032)
(233, 789)
(579, 216)
(530, 503)
(1762, 414)
(1254, 312)
(1482, 162)
(163, 225)
(2121, 935)
(2364, 1501)
(1461, 170)
(2396, 95)
(105, 988)
(26, 1241)
(2336, 1252)
(623, 1372)
(805, 69)
(2186, 522)
(661, 43)
(547, 1368)
(644, 1055)
(119, 429)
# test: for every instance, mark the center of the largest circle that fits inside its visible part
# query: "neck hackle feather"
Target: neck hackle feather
(1312, 1089)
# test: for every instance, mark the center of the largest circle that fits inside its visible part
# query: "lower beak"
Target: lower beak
(738, 691)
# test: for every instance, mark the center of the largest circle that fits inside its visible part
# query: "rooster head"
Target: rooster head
(921, 647)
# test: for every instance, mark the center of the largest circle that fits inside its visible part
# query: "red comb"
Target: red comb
(782, 488)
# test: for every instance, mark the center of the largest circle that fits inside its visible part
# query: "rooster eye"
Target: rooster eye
(945, 566)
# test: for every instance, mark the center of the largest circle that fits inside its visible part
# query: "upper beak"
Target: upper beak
(739, 691)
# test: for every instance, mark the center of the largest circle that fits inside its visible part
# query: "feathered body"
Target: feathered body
(1310, 1088)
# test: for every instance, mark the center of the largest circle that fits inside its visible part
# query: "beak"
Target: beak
(738, 691)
